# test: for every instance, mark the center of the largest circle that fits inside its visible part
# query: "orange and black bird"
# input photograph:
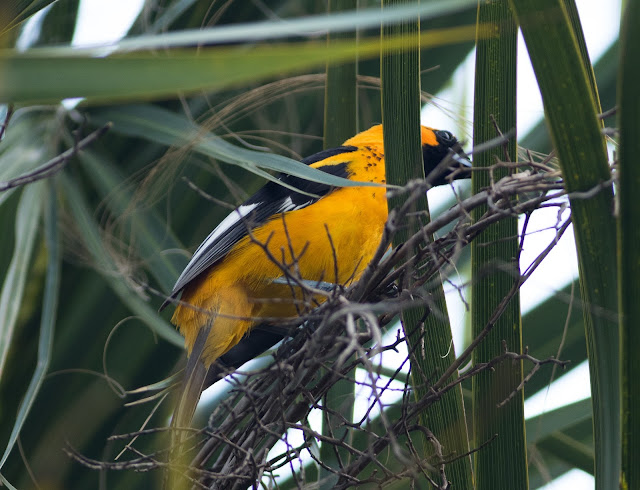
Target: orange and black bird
(235, 277)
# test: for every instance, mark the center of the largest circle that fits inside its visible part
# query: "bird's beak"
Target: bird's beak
(460, 156)
(461, 168)
(455, 165)
(462, 159)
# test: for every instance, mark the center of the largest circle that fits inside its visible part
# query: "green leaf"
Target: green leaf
(576, 27)
(545, 468)
(568, 449)
(556, 322)
(340, 107)
(26, 226)
(166, 73)
(494, 266)
(169, 128)
(556, 441)
(403, 158)
(548, 460)
(606, 73)
(340, 122)
(547, 423)
(571, 113)
(47, 322)
(629, 238)
(347, 21)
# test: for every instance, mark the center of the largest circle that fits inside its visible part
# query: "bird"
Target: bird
(240, 278)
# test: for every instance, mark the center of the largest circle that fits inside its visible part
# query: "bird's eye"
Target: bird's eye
(445, 136)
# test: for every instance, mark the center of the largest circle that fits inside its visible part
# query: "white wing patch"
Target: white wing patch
(202, 257)
(288, 205)
(224, 226)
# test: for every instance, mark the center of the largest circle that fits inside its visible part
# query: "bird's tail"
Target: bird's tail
(193, 383)
(198, 378)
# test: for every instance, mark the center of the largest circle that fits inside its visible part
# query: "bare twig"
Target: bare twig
(54, 165)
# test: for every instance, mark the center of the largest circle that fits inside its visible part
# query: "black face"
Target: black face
(433, 155)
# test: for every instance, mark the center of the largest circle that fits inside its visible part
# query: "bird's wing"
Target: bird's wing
(269, 201)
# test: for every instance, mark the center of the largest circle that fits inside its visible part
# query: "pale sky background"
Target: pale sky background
(104, 21)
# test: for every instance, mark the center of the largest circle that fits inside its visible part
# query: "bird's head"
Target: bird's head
(443, 157)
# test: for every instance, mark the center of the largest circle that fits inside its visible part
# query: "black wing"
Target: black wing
(270, 200)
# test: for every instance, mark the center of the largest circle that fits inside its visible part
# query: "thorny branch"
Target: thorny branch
(272, 404)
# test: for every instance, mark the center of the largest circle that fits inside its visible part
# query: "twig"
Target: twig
(54, 165)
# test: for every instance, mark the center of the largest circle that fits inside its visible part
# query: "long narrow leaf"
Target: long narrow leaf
(606, 73)
(566, 448)
(547, 423)
(302, 26)
(578, 33)
(629, 239)
(26, 225)
(571, 113)
(553, 457)
(145, 76)
(47, 322)
(166, 127)
(403, 155)
(542, 335)
(494, 267)
(340, 121)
